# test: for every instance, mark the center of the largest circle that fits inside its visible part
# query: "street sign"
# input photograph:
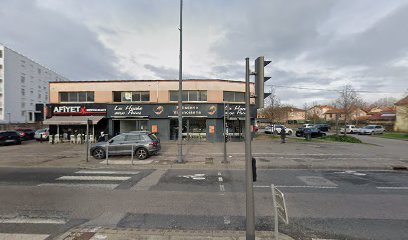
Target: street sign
(279, 205)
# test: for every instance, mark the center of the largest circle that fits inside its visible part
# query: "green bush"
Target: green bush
(342, 138)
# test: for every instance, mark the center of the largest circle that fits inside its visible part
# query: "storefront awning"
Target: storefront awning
(71, 120)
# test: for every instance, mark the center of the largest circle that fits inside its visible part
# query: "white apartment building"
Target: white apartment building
(23, 84)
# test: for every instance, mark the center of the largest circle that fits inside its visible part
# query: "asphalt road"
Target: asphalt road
(43, 203)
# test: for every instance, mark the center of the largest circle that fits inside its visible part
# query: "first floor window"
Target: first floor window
(140, 96)
(234, 96)
(76, 96)
(189, 96)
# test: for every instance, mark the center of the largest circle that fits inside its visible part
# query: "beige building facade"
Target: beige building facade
(401, 122)
(149, 105)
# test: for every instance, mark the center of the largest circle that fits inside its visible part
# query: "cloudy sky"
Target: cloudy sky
(313, 44)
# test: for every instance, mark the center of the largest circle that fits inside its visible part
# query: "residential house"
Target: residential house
(355, 115)
(401, 121)
(317, 112)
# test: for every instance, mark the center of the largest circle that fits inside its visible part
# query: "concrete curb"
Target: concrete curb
(161, 234)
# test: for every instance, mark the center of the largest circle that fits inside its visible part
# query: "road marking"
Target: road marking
(20, 220)
(22, 236)
(222, 188)
(393, 188)
(316, 181)
(107, 172)
(126, 162)
(301, 186)
(227, 220)
(219, 173)
(352, 172)
(147, 182)
(107, 186)
(220, 179)
(94, 178)
(198, 176)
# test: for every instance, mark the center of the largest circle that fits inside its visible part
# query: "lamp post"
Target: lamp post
(180, 110)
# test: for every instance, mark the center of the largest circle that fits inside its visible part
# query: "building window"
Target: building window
(189, 96)
(234, 96)
(22, 79)
(23, 91)
(76, 96)
(39, 70)
(1, 66)
(1, 53)
(143, 96)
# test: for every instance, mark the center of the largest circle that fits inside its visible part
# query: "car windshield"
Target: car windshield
(369, 127)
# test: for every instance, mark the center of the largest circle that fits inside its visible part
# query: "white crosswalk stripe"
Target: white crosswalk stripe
(103, 179)
(22, 236)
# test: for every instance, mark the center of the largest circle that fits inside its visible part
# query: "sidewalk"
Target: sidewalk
(98, 233)
(270, 154)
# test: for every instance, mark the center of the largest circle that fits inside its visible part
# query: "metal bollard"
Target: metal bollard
(132, 154)
(107, 153)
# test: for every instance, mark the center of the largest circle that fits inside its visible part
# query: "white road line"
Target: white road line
(79, 185)
(222, 188)
(393, 188)
(19, 220)
(94, 178)
(305, 186)
(107, 172)
(219, 173)
(220, 179)
(22, 236)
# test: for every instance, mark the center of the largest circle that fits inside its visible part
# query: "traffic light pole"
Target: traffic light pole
(250, 206)
(180, 95)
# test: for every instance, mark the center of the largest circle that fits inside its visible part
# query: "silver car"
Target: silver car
(371, 130)
(143, 144)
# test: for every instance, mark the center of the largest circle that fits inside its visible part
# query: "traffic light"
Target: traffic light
(260, 79)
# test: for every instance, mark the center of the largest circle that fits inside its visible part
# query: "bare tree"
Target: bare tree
(314, 112)
(348, 101)
(272, 111)
(384, 102)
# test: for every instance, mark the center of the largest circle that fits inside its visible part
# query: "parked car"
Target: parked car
(323, 127)
(144, 144)
(9, 137)
(372, 129)
(42, 133)
(277, 129)
(308, 125)
(349, 129)
(315, 132)
(26, 133)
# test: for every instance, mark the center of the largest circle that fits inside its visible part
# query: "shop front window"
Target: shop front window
(234, 96)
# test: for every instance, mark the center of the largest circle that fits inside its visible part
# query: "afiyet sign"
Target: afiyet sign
(84, 110)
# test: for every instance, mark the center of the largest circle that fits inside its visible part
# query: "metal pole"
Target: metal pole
(180, 117)
(275, 210)
(250, 206)
(87, 139)
(225, 137)
(107, 153)
(337, 124)
(132, 154)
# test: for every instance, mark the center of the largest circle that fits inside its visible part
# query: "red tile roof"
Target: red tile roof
(402, 102)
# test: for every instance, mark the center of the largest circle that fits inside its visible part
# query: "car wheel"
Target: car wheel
(290, 133)
(141, 153)
(372, 133)
(98, 153)
(323, 134)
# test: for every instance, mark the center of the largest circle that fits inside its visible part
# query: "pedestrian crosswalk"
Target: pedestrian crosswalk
(105, 179)
(29, 227)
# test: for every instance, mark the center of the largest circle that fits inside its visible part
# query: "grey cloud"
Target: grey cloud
(56, 42)
(170, 73)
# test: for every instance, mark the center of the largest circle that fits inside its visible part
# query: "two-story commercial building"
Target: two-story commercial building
(134, 105)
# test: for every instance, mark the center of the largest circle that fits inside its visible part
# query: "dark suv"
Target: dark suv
(9, 137)
(26, 133)
(144, 145)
